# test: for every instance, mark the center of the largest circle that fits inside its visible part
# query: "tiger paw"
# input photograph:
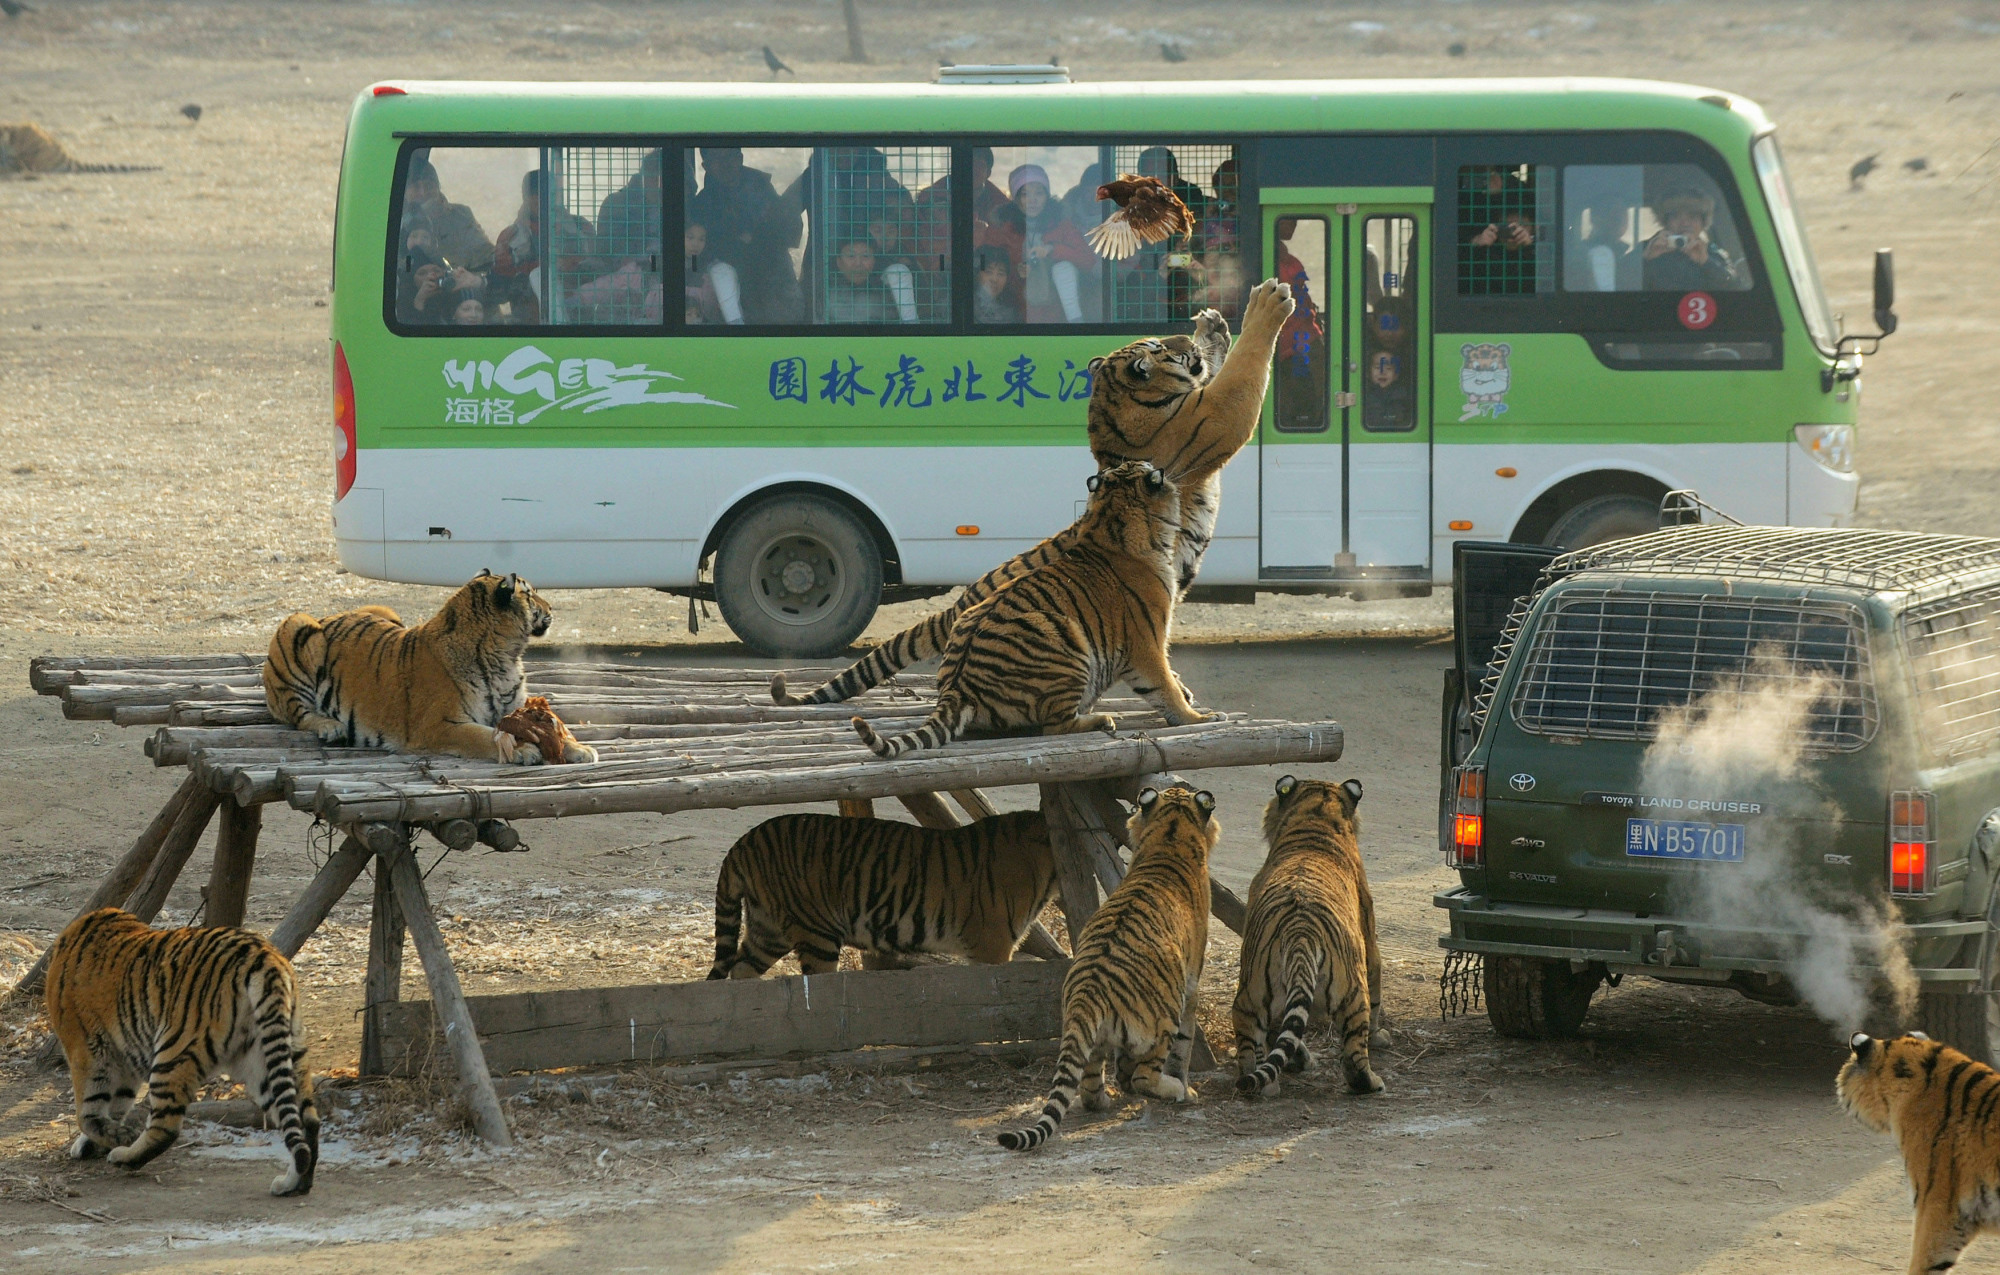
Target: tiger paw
(1097, 1100)
(576, 754)
(119, 1155)
(506, 745)
(528, 755)
(1165, 1087)
(1270, 305)
(84, 1148)
(1210, 326)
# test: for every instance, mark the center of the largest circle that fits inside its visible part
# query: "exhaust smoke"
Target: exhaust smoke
(1748, 741)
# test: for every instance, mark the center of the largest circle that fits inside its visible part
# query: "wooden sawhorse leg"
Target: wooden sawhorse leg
(385, 969)
(235, 856)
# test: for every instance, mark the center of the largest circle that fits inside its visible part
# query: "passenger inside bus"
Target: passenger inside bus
(1161, 279)
(752, 229)
(1084, 210)
(712, 295)
(993, 278)
(855, 292)
(517, 278)
(1219, 244)
(1299, 389)
(1682, 257)
(455, 234)
(1048, 252)
(1601, 258)
(427, 289)
(1496, 229)
(1388, 398)
(469, 313)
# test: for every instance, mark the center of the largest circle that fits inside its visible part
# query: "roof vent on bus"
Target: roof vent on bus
(1038, 73)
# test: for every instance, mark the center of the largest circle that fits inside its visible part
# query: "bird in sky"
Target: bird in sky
(1918, 165)
(771, 60)
(1861, 169)
(192, 111)
(14, 8)
(1173, 53)
(1148, 211)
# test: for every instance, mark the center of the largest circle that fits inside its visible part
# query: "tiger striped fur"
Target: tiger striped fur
(1129, 996)
(172, 1008)
(364, 679)
(1186, 404)
(1041, 651)
(1944, 1109)
(814, 883)
(1308, 940)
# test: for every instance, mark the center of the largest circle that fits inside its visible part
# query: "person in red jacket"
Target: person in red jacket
(1046, 248)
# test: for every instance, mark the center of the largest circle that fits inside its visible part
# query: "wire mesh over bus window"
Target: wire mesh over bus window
(1955, 659)
(1389, 348)
(603, 217)
(1648, 227)
(1506, 228)
(448, 272)
(744, 233)
(1031, 263)
(1299, 381)
(1608, 664)
(873, 254)
(1180, 276)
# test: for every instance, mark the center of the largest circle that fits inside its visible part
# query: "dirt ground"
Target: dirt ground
(163, 406)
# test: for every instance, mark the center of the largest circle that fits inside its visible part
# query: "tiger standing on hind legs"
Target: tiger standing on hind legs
(1308, 941)
(1042, 650)
(1185, 404)
(1129, 997)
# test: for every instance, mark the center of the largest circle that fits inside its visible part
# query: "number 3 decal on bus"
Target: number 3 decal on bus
(1697, 311)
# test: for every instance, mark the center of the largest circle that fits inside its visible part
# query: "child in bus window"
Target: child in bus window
(1048, 252)
(469, 313)
(993, 273)
(713, 294)
(854, 292)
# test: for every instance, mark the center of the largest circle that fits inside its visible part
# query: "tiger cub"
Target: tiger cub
(1042, 650)
(1944, 1109)
(171, 1008)
(1130, 993)
(364, 679)
(1308, 940)
(1187, 404)
(814, 883)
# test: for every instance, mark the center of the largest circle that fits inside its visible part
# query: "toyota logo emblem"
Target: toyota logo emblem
(1522, 783)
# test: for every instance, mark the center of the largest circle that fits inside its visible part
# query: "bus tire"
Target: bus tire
(798, 576)
(1602, 518)
(1532, 998)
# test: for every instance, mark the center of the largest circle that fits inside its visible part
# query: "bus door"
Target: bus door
(1345, 443)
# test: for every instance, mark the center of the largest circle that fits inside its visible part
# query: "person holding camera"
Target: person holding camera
(1681, 258)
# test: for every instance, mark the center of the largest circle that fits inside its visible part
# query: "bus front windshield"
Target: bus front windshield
(1792, 239)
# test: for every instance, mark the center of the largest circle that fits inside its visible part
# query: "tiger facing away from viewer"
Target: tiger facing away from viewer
(1308, 940)
(1042, 650)
(1186, 404)
(1129, 996)
(364, 679)
(171, 1008)
(1944, 1109)
(813, 883)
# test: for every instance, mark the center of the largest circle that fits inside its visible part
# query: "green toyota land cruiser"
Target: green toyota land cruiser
(1758, 758)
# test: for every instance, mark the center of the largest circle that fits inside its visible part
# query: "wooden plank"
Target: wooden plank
(974, 803)
(857, 808)
(475, 1081)
(929, 809)
(761, 1018)
(179, 846)
(1074, 875)
(384, 982)
(118, 884)
(327, 887)
(235, 856)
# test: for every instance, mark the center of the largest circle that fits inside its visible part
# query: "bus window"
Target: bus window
(1505, 222)
(1648, 227)
(1299, 381)
(1030, 261)
(871, 258)
(1183, 275)
(743, 234)
(607, 270)
(447, 270)
(1389, 350)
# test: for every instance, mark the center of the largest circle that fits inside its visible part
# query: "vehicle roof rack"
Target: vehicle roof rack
(1004, 73)
(1854, 557)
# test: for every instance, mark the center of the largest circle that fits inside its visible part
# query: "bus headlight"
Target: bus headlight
(1831, 445)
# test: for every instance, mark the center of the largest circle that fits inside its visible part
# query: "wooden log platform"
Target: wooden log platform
(668, 739)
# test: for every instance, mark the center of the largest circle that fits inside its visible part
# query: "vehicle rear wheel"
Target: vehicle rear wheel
(1530, 998)
(1603, 518)
(1969, 1023)
(798, 577)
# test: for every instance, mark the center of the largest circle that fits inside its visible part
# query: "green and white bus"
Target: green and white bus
(1529, 309)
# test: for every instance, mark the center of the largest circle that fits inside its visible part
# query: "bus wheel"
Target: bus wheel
(1603, 518)
(798, 577)
(1532, 998)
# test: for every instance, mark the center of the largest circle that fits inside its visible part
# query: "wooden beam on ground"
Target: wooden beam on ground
(181, 840)
(475, 1081)
(117, 885)
(746, 1018)
(235, 857)
(327, 888)
(929, 809)
(384, 982)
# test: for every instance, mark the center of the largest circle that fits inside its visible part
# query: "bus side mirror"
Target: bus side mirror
(1885, 290)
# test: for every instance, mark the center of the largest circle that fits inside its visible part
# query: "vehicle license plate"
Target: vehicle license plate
(1677, 839)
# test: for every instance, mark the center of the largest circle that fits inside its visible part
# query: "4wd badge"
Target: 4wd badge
(1521, 783)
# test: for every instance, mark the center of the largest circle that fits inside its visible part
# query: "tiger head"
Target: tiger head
(1881, 1075)
(508, 606)
(1485, 370)
(1176, 816)
(1316, 801)
(1135, 508)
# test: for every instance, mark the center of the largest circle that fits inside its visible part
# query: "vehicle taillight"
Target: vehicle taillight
(1468, 818)
(1912, 844)
(343, 424)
